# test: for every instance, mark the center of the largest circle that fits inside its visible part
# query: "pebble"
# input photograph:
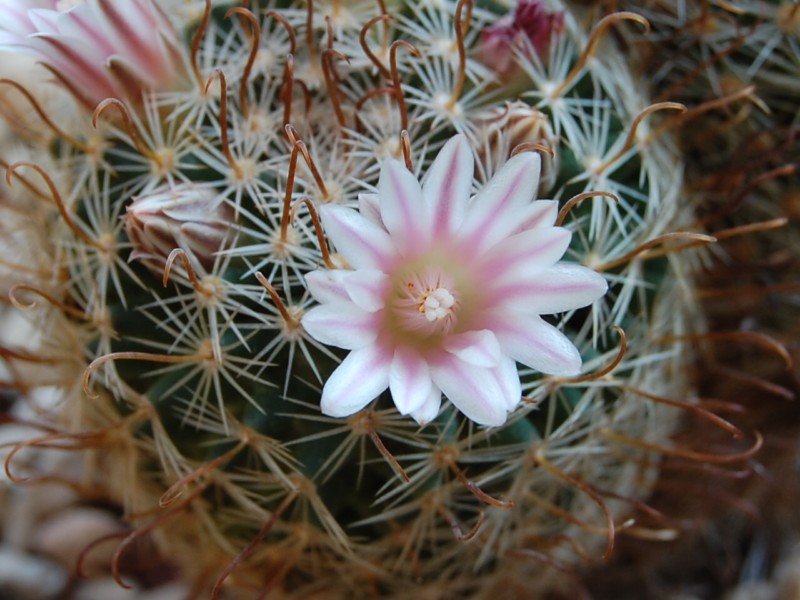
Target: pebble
(29, 577)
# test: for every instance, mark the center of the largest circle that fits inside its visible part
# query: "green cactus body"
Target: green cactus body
(204, 388)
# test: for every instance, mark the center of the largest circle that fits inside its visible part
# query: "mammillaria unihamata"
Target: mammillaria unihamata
(198, 389)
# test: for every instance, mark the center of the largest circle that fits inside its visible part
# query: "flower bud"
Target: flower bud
(503, 129)
(195, 219)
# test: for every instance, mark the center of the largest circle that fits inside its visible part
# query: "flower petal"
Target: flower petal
(473, 390)
(507, 377)
(494, 212)
(430, 408)
(533, 342)
(447, 186)
(479, 348)
(563, 286)
(403, 211)
(541, 213)
(409, 380)
(525, 254)
(326, 285)
(362, 243)
(366, 288)
(361, 377)
(341, 324)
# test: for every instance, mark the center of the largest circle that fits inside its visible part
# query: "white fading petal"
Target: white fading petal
(479, 348)
(447, 185)
(430, 408)
(403, 211)
(362, 377)
(362, 243)
(341, 324)
(369, 206)
(409, 380)
(526, 253)
(326, 285)
(533, 342)
(563, 286)
(366, 288)
(494, 212)
(507, 377)
(472, 390)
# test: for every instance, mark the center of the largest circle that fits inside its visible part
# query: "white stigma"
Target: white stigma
(436, 305)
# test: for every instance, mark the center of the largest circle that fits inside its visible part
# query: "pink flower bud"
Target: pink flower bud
(197, 220)
(503, 129)
(530, 22)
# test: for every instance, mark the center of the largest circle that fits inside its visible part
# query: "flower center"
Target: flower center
(425, 303)
(436, 305)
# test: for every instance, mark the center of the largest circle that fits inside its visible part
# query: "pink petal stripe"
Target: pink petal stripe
(362, 377)
(536, 344)
(362, 243)
(409, 380)
(541, 213)
(370, 208)
(472, 390)
(479, 348)
(341, 324)
(447, 186)
(563, 286)
(526, 253)
(403, 211)
(495, 212)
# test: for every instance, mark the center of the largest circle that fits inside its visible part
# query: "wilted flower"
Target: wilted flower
(528, 27)
(197, 220)
(98, 49)
(446, 292)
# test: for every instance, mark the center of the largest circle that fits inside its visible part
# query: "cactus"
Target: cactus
(171, 250)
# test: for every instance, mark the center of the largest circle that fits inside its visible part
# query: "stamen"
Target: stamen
(323, 245)
(58, 201)
(631, 139)
(276, 300)
(462, 27)
(178, 253)
(127, 122)
(256, 541)
(572, 202)
(223, 119)
(177, 489)
(405, 142)
(453, 522)
(255, 36)
(621, 438)
(42, 115)
(138, 533)
(198, 37)
(362, 37)
(737, 200)
(754, 337)
(623, 346)
(296, 142)
(692, 408)
(148, 356)
(287, 26)
(531, 147)
(70, 310)
(677, 235)
(594, 38)
(329, 73)
(542, 460)
(398, 88)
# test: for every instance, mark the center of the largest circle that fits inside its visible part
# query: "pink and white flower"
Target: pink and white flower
(98, 48)
(446, 291)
